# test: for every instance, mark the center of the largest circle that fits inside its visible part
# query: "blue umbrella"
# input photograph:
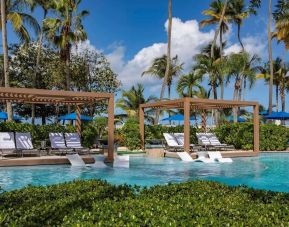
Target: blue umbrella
(4, 116)
(278, 116)
(72, 116)
(239, 119)
(177, 117)
(266, 112)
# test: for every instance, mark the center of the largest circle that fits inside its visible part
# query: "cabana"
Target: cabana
(69, 98)
(188, 104)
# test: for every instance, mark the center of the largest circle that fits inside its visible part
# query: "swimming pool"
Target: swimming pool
(268, 171)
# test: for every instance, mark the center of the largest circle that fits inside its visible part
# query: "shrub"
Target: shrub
(97, 203)
(272, 137)
(131, 135)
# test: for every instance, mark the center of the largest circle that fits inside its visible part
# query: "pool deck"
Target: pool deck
(43, 160)
(225, 154)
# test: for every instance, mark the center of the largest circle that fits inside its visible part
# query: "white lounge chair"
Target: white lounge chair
(58, 143)
(217, 156)
(215, 142)
(73, 141)
(203, 140)
(180, 137)
(7, 143)
(202, 157)
(24, 143)
(172, 143)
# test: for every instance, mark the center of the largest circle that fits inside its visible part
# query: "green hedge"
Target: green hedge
(272, 137)
(97, 203)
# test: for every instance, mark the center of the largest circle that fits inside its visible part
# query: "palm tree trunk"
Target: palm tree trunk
(244, 89)
(277, 98)
(270, 58)
(221, 54)
(39, 48)
(282, 96)
(239, 37)
(170, 20)
(235, 97)
(5, 55)
(218, 28)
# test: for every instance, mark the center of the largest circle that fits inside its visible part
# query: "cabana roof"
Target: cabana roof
(198, 104)
(56, 97)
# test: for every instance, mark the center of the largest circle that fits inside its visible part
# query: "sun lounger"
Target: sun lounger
(180, 137)
(202, 157)
(73, 141)
(215, 142)
(7, 143)
(58, 143)
(172, 143)
(121, 161)
(24, 143)
(217, 156)
(204, 141)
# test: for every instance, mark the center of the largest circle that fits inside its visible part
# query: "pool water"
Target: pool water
(268, 171)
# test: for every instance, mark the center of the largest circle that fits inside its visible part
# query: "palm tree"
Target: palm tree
(217, 15)
(280, 80)
(281, 16)
(243, 67)
(45, 5)
(270, 58)
(203, 94)
(158, 69)
(187, 84)
(168, 62)
(66, 29)
(131, 100)
(12, 11)
(214, 67)
(238, 12)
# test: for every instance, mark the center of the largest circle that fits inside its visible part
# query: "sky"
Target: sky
(132, 33)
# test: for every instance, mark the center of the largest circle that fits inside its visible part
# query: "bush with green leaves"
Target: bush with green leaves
(272, 137)
(97, 203)
(130, 134)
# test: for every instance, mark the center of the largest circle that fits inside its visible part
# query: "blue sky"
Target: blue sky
(132, 32)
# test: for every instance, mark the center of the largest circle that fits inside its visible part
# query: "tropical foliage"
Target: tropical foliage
(94, 202)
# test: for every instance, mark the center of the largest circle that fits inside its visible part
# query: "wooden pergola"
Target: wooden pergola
(188, 104)
(69, 98)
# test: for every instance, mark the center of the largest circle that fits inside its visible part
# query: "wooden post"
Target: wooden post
(110, 155)
(256, 128)
(187, 125)
(78, 120)
(142, 127)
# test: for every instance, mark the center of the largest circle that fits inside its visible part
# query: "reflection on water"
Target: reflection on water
(269, 171)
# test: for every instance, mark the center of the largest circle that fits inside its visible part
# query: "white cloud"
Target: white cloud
(84, 46)
(251, 44)
(116, 58)
(187, 40)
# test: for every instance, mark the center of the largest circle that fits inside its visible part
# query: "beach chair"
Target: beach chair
(204, 141)
(217, 156)
(24, 143)
(58, 145)
(172, 143)
(7, 143)
(180, 137)
(73, 141)
(215, 142)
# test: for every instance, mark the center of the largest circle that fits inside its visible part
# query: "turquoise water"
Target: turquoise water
(268, 171)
